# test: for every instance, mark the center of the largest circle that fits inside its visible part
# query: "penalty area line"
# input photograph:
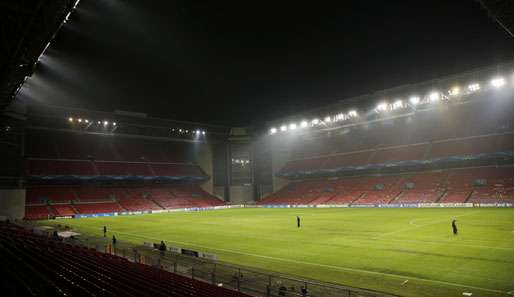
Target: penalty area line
(341, 268)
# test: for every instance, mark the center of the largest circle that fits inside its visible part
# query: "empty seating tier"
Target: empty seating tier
(477, 185)
(476, 145)
(45, 202)
(81, 168)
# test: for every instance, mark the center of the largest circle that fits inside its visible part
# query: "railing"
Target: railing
(238, 278)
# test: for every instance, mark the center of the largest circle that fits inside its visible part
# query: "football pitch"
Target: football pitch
(409, 252)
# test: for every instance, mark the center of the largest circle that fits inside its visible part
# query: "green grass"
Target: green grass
(370, 248)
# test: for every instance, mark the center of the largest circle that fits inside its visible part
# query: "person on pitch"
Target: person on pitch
(298, 221)
(454, 227)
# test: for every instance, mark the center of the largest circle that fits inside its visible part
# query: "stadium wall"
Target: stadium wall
(204, 158)
(280, 155)
(241, 194)
(219, 191)
(12, 203)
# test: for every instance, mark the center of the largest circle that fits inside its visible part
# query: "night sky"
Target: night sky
(245, 62)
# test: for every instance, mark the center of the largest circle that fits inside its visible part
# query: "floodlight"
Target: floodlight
(352, 113)
(455, 91)
(197, 132)
(382, 107)
(398, 104)
(474, 87)
(114, 123)
(304, 124)
(203, 132)
(70, 119)
(498, 82)
(328, 119)
(283, 128)
(315, 121)
(106, 123)
(414, 100)
(292, 126)
(98, 122)
(86, 120)
(180, 130)
(434, 97)
(80, 120)
(273, 130)
(339, 117)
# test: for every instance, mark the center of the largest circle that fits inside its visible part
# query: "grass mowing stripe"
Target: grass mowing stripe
(420, 226)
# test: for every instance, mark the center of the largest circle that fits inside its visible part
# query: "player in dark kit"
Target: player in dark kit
(454, 227)
(105, 231)
(298, 221)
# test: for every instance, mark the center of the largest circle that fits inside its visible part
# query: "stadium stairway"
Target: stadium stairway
(156, 203)
(323, 199)
(97, 172)
(396, 198)
(442, 196)
(456, 196)
(345, 198)
(120, 206)
(469, 197)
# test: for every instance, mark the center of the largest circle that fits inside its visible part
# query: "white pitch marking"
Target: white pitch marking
(414, 224)
(406, 281)
(467, 293)
(341, 268)
(438, 243)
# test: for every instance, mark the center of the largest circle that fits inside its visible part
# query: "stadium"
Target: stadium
(403, 191)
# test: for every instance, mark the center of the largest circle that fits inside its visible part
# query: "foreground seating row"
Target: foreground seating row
(37, 266)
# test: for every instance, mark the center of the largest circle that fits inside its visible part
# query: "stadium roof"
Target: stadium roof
(400, 100)
(120, 123)
(502, 11)
(224, 63)
(27, 28)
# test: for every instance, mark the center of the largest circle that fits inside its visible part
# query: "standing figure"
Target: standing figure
(162, 248)
(298, 221)
(454, 227)
(304, 291)
(105, 231)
